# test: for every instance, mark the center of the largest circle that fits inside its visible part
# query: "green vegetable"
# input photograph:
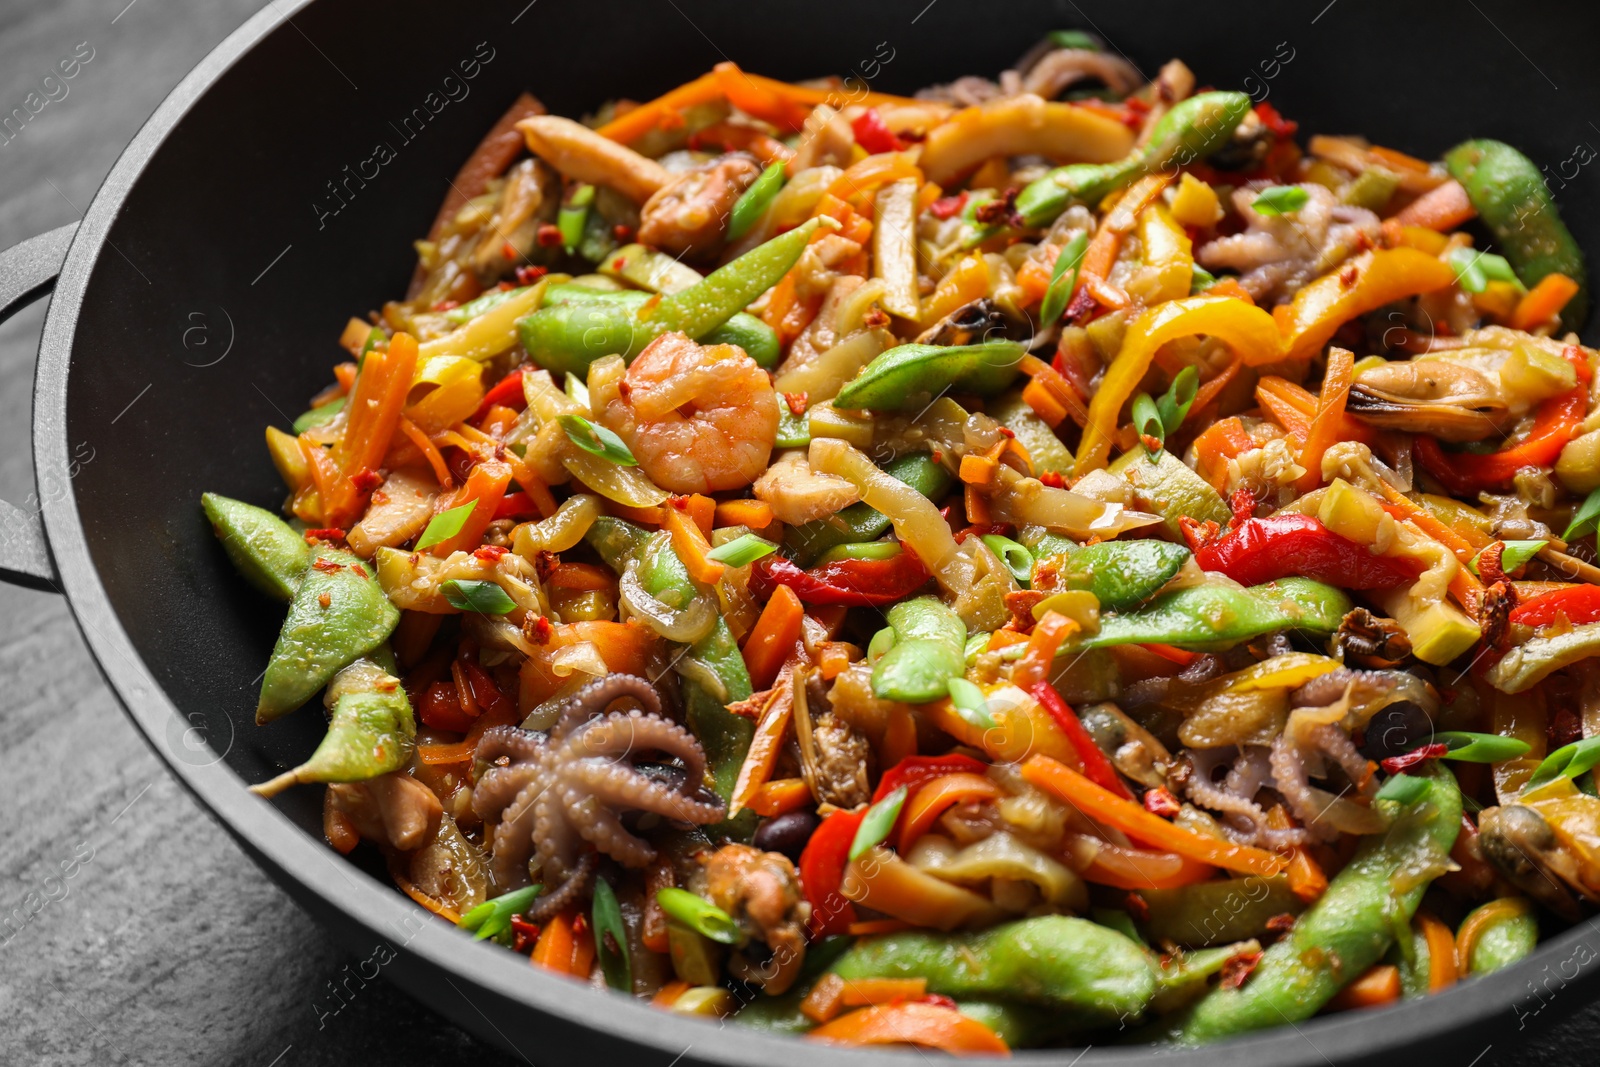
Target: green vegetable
(1063, 279)
(1165, 485)
(1513, 555)
(754, 201)
(1185, 976)
(473, 308)
(1147, 420)
(908, 377)
(266, 551)
(1158, 418)
(742, 550)
(969, 652)
(927, 653)
(1018, 560)
(700, 915)
(743, 330)
(477, 595)
(1527, 664)
(1218, 912)
(649, 269)
(445, 525)
(493, 917)
(611, 938)
(1512, 937)
(1121, 574)
(1513, 201)
(877, 823)
(969, 702)
(1215, 616)
(319, 416)
(1280, 200)
(597, 440)
(877, 550)
(1044, 447)
(1190, 131)
(1073, 39)
(1403, 789)
(1475, 270)
(1350, 927)
(860, 522)
(371, 731)
(1203, 280)
(1568, 761)
(695, 959)
(574, 214)
(1481, 748)
(1585, 519)
(569, 337)
(317, 642)
(1372, 189)
(1087, 973)
(794, 431)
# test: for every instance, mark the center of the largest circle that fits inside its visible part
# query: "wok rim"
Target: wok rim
(306, 867)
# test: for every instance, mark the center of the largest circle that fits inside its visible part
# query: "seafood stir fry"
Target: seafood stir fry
(1049, 560)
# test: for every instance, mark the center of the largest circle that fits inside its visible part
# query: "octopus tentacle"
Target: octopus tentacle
(499, 787)
(634, 791)
(555, 843)
(619, 733)
(549, 904)
(520, 746)
(601, 694)
(513, 838)
(600, 826)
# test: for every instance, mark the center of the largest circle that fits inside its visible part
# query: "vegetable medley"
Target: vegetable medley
(1049, 560)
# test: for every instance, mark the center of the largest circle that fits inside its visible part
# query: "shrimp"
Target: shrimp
(698, 418)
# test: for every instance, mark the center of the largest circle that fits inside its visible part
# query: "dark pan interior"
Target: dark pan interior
(217, 307)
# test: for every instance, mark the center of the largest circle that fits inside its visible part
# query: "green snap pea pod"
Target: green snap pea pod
(1512, 934)
(1019, 1025)
(1182, 978)
(267, 551)
(319, 641)
(1190, 131)
(1042, 542)
(759, 341)
(1215, 616)
(616, 540)
(754, 201)
(1515, 204)
(1087, 973)
(318, 416)
(371, 731)
(649, 269)
(1410, 955)
(929, 650)
(1350, 927)
(1218, 912)
(477, 306)
(1121, 574)
(908, 377)
(862, 522)
(569, 338)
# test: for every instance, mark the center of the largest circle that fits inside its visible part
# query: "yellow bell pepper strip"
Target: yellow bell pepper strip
(1249, 331)
(1168, 258)
(1381, 277)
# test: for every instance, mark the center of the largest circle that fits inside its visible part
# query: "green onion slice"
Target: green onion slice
(742, 550)
(1470, 747)
(1403, 789)
(471, 594)
(1512, 556)
(1281, 200)
(597, 440)
(1016, 557)
(1568, 761)
(700, 915)
(754, 201)
(445, 525)
(494, 916)
(877, 823)
(611, 938)
(1063, 278)
(971, 704)
(1175, 402)
(1585, 519)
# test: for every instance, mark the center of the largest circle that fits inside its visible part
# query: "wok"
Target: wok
(200, 296)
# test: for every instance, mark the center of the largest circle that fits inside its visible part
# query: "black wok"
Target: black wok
(200, 296)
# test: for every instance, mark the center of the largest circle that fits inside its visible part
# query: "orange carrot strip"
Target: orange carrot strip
(773, 637)
(373, 415)
(1290, 406)
(811, 97)
(1380, 985)
(861, 992)
(1476, 923)
(1207, 393)
(580, 576)
(913, 1023)
(1218, 443)
(691, 545)
(1440, 209)
(703, 510)
(1044, 403)
(1099, 803)
(641, 120)
(658, 875)
(822, 1004)
(756, 514)
(1231, 287)
(1324, 430)
(899, 737)
(553, 950)
(484, 488)
(1039, 657)
(1544, 301)
(430, 452)
(765, 745)
(1442, 967)
(763, 101)
(874, 927)
(668, 994)
(932, 800)
(780, 796)
(653, 516)
(440, 909)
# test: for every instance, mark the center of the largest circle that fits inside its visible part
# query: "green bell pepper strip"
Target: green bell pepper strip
(267, 552)
(1190, 131)
(1514, 202)
(318, 642)
(929, 649)
(1086, 973)
(1217, 616)
(569, 338)
(860, 522)
(754, 201)
(1511, 937)
(319, 416)
(1349, 928)
(908, 377)
(371, 731)
(1121, 574)
(759, 341)
(1218, 912)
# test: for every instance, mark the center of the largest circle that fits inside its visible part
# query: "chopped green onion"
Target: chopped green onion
(1174, 403)
(1281, 200)
(1073, 39)
(445, 525)
(742, 550)
(493, 917)
(1469, 747)
(472, 594)
(1203, 280)
(1568, 761)
(1585, 519)
(473, 308)
(611, 938)
(975, 644)
(1063, 279)
(877, 823)
(1147, 420)
(1403, 789)
(1018, 560)
(597, 440)
(864, 550)
(374, 338)
(700, 915)
(1512, 556)
(971, 704)
(319, 416)
(754, 201)
(1118, 920)
(573, 214)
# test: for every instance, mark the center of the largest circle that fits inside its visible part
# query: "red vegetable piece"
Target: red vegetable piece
(855, 582)
(1396, 764)
(1096, 767)
(822, 865)
(1261, 550)
(914, 772)
(1579, 603)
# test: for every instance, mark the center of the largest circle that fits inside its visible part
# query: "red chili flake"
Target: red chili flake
(325, 600)
(622, 232)
(1159, 801)
(1137, 906)
(1272, 120)
(940, 999)
(1349, 277)
(796, 402)
(361, 572)
(523, 934)
(508, 251)
(1238, 968)
(1053, 479)
(938, 456)
(947, 206)
(619, 262)
(580, 924)
(529, 275)
(875, 317)
(366, 479)
(679, 502)
(873, 134)
(447, 305)
(1136, 105)
(326, 565)
(996, 210)
(1151, 444)
(542, 630)
(332, 533)
(1396, 764)
(1197, 533)
(489, 553)
(548, 236)
(506, 287)
(1281, 923)
(1081, 305)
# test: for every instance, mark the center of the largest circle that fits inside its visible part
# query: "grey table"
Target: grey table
(158, 941)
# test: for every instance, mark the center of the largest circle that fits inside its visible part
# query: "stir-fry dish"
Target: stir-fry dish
(1056, 560)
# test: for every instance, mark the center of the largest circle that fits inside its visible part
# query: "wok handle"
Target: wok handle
(27, 272)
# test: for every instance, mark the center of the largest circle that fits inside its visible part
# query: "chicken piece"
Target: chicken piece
(799, 494)
(393, 811)
(761, 891)
(823, 331)
(843, 759)
(688, 216)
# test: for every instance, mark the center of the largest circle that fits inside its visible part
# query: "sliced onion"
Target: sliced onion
(685, 626)
(582, 657)
(625, 485)
(560, 531)
(695, 670)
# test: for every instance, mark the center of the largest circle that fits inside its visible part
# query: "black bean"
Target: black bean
(1395, 730)
(787, 833)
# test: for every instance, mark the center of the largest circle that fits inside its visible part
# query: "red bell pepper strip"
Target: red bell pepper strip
(507, 393)
(1580, 604)
(1261, 550)
(822, 865)
(856, 582)
(873, 135)
(1096, 767)
(1558, 420)
(914, 772)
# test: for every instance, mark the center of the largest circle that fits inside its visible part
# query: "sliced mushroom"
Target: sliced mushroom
(1448, 400)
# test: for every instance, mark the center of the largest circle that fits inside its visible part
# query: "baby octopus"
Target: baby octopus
(551, 795)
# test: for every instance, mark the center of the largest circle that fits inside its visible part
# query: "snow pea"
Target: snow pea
(759, 341)
(754, 201)
(1514, 202)
(1121, 574)
(908, 377)
(371, 731)
(319, 638)
(266, 551)
(1350, 927)
(929, 650)
(1511, 933)
(1190, 131)
(862, 522)
(1219, 615)
(569, 337)
(1086, 973)
(1218, 912)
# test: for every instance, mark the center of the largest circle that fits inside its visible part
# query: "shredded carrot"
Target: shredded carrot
(822, 1004)
(935, 797)
(634, 124)
(765, 745)
(1039, 657)
(1231, 287)
(1465, 586)
(899, 737)
(1544, 301)
(1306, 878)
(1291, 406)
(913, 1023)
(702, 509)
(1223, 440)
(773, 637)
(668, 994)
(832, 659)
(372, 416)
(1207, 393)
(429, 451)
(1101, 255)
(787, 312)
(978, 470)
(580, 576)
(860, 992)
(1182, 657)
(1324, 430)
(484, 488)
(761, 99)
(1380, 985)
(557, 947)
(811, 97)
(1005, 638)
(1034, 274)
(1044, 403)
(756, 514)
(690, 544)
(439, 908)
(1398, 159)
(780, 796)
(977, 507)
(1439, 209)
(1442, 966)
(1058, 779)
(875, 927)
(860, 180)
